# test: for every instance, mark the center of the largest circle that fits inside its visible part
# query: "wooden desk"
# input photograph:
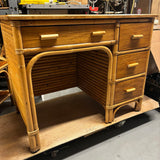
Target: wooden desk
(105, 56)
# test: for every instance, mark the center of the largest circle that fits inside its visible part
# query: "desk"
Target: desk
(105, 56)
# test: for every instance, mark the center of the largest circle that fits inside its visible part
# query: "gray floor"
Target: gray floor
(137, 139)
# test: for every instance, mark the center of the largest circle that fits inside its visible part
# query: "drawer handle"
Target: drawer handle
(98, 33)
(49, 36)
(133, 65)
(130, 90)
(137, 36)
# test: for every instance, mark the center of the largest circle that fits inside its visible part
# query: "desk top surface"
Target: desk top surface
(74, 16)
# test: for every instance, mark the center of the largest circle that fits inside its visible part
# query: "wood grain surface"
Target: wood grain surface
(128, 30)
(121, 87)
(127, 59)
(74, 34)
(74, 16)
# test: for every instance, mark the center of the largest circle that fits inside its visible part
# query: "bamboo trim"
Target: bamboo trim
(8, 81)
(4, 66)
(115, 49)
(2, 58)
(65, 47)
(125, 102)
(3, 71)
(31, 124)
(33, 133)
(109, 113)
(5, 98)
(4, 90)
(115, 111)
(132, 51)
(131, 77)
(43, 54)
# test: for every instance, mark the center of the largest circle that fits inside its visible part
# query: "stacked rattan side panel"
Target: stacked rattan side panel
(17, 74)
(14, 71)
(92, 74)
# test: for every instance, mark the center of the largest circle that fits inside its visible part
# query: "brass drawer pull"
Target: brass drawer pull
(130, 90)
(49, 36)
(133, 65)
(98, 33)
(137, 36)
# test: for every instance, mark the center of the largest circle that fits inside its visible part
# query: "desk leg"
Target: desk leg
(138, 104)
(109, 116)
(30, 117)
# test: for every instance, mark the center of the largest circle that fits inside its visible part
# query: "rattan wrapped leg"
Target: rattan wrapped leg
(138, 104)
(34, 135)
(109, 116)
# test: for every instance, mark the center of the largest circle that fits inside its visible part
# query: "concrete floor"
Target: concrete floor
(137, 139)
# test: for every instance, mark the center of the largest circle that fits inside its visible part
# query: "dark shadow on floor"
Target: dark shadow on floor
(158, 109)
(66, 108)
(6, 108)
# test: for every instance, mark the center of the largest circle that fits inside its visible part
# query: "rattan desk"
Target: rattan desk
(105, 56)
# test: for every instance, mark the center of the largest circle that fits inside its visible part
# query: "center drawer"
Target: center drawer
(129, 89)
(131, 64)
(47, 36)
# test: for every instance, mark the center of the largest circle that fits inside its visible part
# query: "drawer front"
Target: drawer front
(48, 36)
(128, 89)
(131, 64)
(134, 36)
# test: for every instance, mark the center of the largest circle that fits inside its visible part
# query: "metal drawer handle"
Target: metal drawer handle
(98, 33)
(49, 36)
(137, 36)
(133, 65)
(130, 90)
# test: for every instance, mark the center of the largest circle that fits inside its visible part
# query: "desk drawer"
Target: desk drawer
(48, 36)
(134, 36)
(128, 89)
(131, 64)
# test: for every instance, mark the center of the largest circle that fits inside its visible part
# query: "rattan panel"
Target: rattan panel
(87, 70)
(93, 73)
(53, 73)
